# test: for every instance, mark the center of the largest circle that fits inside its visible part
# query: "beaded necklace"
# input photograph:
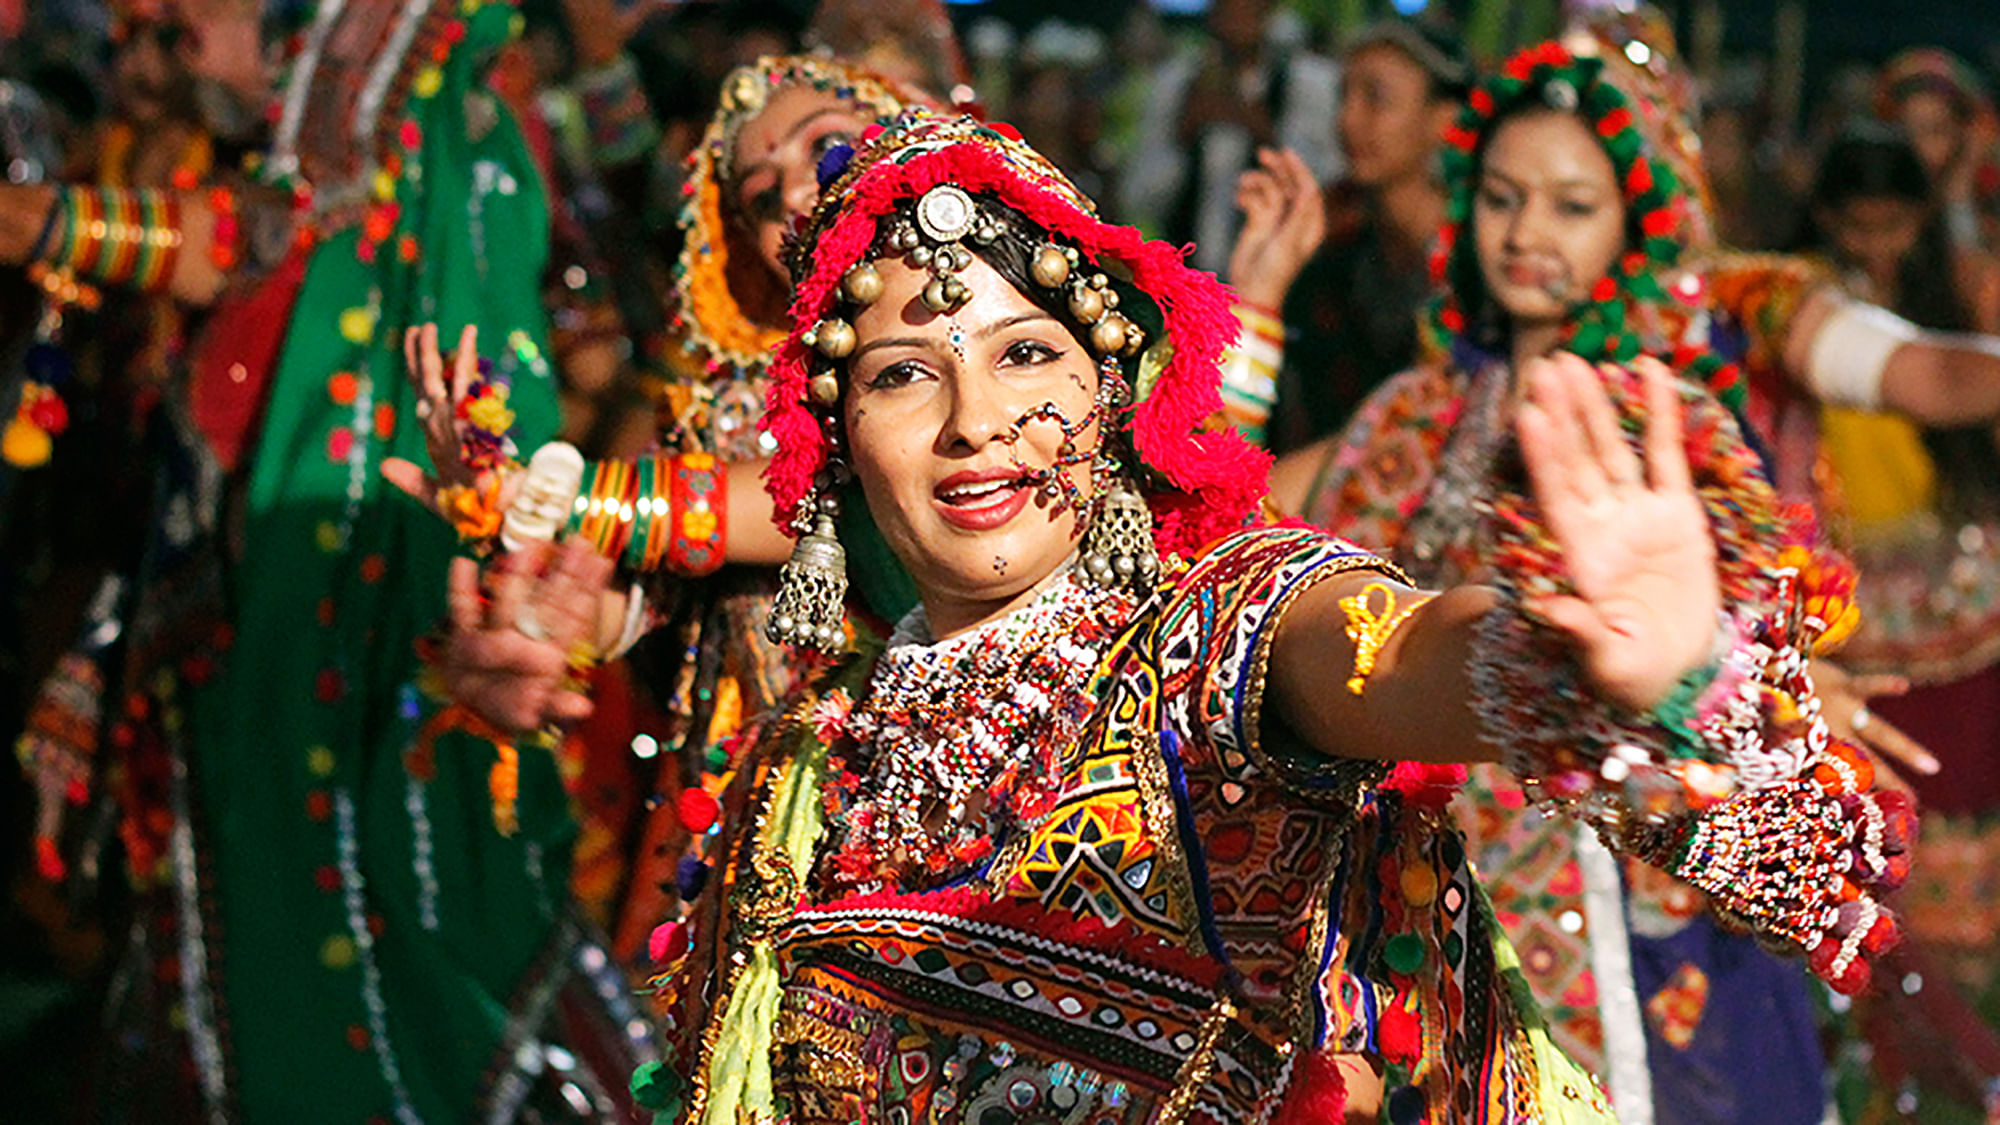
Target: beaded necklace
(956, 740)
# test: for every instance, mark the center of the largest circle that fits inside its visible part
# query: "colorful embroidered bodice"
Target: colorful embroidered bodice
(1159, 935)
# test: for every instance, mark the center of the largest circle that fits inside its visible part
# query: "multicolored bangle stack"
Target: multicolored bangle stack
(663, 512)
(113, 236)
(1250, 370)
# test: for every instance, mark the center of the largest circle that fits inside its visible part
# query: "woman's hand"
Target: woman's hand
(508, 655)
(437, 410)
(1635, 537)
(1284, 219)
(1844, 704)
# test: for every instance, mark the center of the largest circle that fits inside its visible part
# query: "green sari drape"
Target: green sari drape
(369, 931)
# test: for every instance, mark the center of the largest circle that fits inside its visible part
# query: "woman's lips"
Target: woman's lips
(982, 501)
(1528, 275)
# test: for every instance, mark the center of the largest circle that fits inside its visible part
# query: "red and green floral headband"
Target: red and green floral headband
(1608, 324)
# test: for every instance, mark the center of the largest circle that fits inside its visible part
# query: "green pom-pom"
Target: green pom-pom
(1403, 953)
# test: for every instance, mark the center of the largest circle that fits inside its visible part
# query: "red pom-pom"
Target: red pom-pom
(1318, 1094)
(1883, 935)
(1614, 123)
(1482, 102)
(1604, 290)
(48, 861)
(1425, 785)
(1640, 179)
(1854, 981)
(1899, 820)
(50, 413)
(1896, 872)
(668, 941)
(1399, 1035)
(698, 810)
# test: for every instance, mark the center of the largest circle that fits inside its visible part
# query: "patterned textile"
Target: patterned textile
(1080, 974)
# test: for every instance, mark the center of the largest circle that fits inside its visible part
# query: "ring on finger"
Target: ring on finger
(423, 408)
(1860, 720)
(529, 625)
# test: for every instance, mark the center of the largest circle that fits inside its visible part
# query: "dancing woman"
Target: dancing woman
(1110, 828)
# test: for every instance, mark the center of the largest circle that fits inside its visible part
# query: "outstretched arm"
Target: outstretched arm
(32, 228)
(1850, 353)
(1637, 544)
(442, 386)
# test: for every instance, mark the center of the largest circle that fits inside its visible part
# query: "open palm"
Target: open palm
(1634, 534)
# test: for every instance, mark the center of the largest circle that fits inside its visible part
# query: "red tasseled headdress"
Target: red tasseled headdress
(1216, 479)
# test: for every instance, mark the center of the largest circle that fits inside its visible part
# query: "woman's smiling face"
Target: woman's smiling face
(951, 422)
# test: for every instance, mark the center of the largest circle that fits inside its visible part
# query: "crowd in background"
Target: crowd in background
(1203, 128)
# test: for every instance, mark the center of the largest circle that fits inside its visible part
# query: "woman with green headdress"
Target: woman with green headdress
(1567, 229)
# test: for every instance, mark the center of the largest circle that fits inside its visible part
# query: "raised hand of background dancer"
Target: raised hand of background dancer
(438, 396)
(1284, 220)
(601, 28)
(507, 657)
(1844, 704)
(1634, 535)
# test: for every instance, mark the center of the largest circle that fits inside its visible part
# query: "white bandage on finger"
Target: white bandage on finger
(1851, 351)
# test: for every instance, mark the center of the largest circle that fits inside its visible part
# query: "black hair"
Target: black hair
(1433, 48)
(1874, 161)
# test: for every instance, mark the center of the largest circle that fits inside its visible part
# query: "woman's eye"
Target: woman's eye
(1495, 200)
(1577, 209)
(1022, 353)
(897, 375)
(766, 206)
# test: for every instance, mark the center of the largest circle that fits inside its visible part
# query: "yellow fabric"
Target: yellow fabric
(1567, 1093)
(1882, 471)
(739, 1067)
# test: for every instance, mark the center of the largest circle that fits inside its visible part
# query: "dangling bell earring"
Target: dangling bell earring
(812, 585)
(1118, 548)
